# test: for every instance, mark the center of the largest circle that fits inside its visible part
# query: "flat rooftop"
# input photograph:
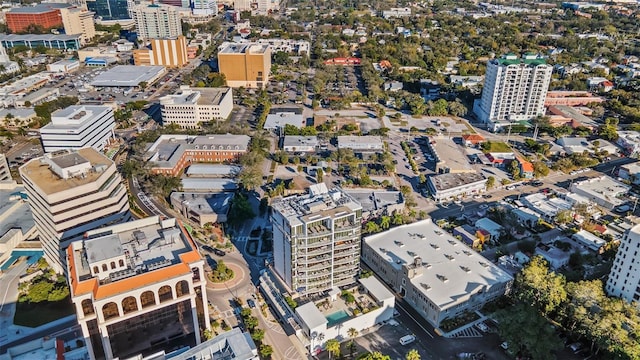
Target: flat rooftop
(217, 170)
(39, 37)
(348, 141)
(75, 116)
(318, 203)
(205, 204)
(148, 244)
(443, 182)
(39, 8)
(199, 96)
(128, 76)
(295, 140)
(41, 174)
(450, 269)
(450, 155)
(602, 187)
(241, 48)
(280, 120)
(168, 149)
(373, 200)
(14, 212)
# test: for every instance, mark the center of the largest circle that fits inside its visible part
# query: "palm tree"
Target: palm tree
(353, 333)
(413, 354)
(385, 222)
(333, 347)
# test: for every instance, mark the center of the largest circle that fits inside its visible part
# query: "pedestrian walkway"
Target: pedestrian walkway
(466, 332)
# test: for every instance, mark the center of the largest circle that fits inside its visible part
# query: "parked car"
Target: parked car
(575, 347)
(219, 252)
(251, 303)
(208, 248)
(482, 327)
(505, 345)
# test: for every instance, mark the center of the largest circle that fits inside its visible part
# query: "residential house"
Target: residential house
(491, 227)
(472, 140)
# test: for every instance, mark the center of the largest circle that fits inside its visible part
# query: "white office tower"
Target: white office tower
(157, 21)
(204, 7)
(70, 193)
(514, 89)
(316, 240)
(79, 126)
(624, 278)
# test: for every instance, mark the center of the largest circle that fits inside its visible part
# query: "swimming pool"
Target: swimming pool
(337, 317)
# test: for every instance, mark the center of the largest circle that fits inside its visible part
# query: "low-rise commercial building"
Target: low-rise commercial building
(71, 192)
(589, 241)
(547, 207)
(361, 143)
(449, 156)
(194, 106)
(278, 121)
(375, 203)
(16, 220)
(49, 41)
(170, 154)
(396, 12)
(439, 276)
(64, 66)
(449, 186)
(630, 172)
(294, 143)
(556, 258)
(136, 286)
(578, 145)
(129, 76)
(603, 191)
(202, 208)
(79, 126)
(629, 141)
(230, 345)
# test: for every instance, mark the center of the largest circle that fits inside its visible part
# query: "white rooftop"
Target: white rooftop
(280, 120)
(451, 270)
(603, 187)
(128, 76)
(75, 116)
(317, 203)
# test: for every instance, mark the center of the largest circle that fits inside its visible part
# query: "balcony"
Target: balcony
(316, 243)
(325, 250)
(345, 226)
(312, 267)
(345, 260)
(346, 245)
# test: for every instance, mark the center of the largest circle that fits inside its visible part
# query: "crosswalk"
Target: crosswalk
(240, 238)
(469, 332)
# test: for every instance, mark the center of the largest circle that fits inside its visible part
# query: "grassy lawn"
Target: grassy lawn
(34, 315)
(498, 147)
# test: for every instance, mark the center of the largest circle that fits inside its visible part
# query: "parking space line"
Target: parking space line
(414, 320)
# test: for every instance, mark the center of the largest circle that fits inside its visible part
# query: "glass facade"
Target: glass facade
(109, 9)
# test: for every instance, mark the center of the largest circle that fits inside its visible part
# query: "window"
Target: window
(104, 267)
(95, 269)
(121, 263)
(113, 265)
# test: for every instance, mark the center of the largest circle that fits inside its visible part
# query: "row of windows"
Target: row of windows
(104, 266)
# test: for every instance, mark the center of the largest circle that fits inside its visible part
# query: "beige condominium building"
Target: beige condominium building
(316, 240)
(194, 106)
(157, 21)
(70, 193)
(137, 287)
(78, 21)
(245, 65)
(169, 52)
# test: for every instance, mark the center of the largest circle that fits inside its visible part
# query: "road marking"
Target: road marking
(414, 319)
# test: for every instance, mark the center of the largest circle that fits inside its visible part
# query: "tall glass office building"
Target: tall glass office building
(109, 9)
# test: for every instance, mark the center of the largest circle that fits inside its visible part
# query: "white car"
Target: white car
(482, 327)
(484, 206)
(505, 345)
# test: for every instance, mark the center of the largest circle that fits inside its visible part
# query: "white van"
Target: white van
(407, 339)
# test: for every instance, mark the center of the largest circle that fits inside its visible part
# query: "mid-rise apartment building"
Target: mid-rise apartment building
(514, 89)
(5, 172)
(47, 16)
(169, 52)
(78, 21)
(137, 286)
(204, 7)
(157, 21)
(171, 153)
(245, 65)
(79, 126)
(70, 193)
(194, 106)
(316, 240)
(437, 274)
(624, 278)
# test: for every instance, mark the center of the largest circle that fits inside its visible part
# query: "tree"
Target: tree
(526, 331)
(333, 347)
(257, 335)
(353, 334)
(457, 108)
(385, 222)
(319, 175)
(413, 354)
(564, 217)
(143, 84)
(376, 356)
(250, 177)
(266, 351)
(540, 169)
(536, 286)
(491, 182)
(240, 210)
(251, 322)
(207, 334)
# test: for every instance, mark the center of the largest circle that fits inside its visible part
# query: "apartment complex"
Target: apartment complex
(169, 52)
(5, 172)
(245, 65)
(157, 21)
(79, 126)
(316, 240)
(624, 278)
(47, 16)
(137, 286)
(514, 89)
(71, 192)
(78, 21)
(170, 154)
(194, 106)
(437, 274)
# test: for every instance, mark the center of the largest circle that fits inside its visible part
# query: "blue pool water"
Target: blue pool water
(33, 257)
(337, 317)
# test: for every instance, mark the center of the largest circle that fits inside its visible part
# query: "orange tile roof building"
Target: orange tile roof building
(46, 15)
(71, 192)
(137, 286)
